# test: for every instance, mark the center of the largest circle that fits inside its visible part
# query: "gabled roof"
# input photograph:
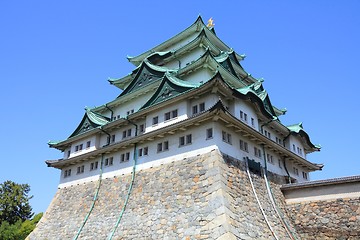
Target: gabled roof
(91, 120)
(298, 129)
(147, 74)
(197, 26)
(169, 87)
(208, 60)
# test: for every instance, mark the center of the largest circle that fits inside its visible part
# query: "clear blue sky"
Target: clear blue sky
(56, 56)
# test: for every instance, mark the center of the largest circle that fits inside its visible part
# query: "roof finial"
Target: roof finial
(210, 23)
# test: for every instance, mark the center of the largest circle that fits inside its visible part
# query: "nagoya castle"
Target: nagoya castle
(193, 148)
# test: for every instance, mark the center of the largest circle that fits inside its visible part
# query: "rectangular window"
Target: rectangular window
(294, 148)
(243, 116)
(252, 122)
(143, 151)
(113, 138)
(305, 175)
(163, 146)
(141, 128)
(124, 134)
(280, 166)
(93, 166)
(171, 114)
(226, 137)
(167, 116)
(146, 150)
(88, 143)
(195, 109)
(257, 152)
(209, 133)
(125, 157)
(296, 171)
(270, 158)
(67, 173)
(155, 120)
(129, 132)
(130, 112)
(80, 169)
(202, 107)
(185, 140)
(244, 146)
(68, 153)
(166, 145)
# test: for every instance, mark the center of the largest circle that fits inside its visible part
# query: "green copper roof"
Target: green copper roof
(298, 129)
(169, 87)
(90, 121)
(147, 74)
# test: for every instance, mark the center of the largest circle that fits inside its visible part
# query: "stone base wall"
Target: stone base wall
(331, 219)
(204, 197)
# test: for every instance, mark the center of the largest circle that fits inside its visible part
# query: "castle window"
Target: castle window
(93, 165)
(88, 143)
(141, 128)
(305, 175)
(80, 169)
(202, 107)
(171, 114)
(253, 122)
(130, 112)
(209, 133)
(68, 153)
(143, 151)
(125, 157)
(67, 173)
(155, 120)
(185, 140)
(243, 116)
(195, 109)
(294, 148)
(226, 137)
(257, 152)
(109, 161)
(198, 108)
(270, 158)
(126, 133)
(280, 166)
(163, 146)
(244, 146)
(296, 171)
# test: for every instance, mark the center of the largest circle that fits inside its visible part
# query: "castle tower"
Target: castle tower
(186, 151)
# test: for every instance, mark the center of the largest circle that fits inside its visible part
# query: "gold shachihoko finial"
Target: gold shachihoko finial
(210, 23)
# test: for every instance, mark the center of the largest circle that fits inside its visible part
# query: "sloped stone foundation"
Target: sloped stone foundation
(204, 197)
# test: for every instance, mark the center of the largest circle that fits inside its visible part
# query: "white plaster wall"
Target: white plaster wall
(135, 104)
(295, 140)
(185, 58)
(182, 114)
(83, 141)
(241, 105)
(200, 75)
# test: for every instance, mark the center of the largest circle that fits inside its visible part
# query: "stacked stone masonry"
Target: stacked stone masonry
(205, 197)
(331, 219)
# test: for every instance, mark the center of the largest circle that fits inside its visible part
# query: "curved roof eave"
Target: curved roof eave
(299, 130)
(196, 26)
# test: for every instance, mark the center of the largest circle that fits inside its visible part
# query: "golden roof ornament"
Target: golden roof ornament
(210, 23)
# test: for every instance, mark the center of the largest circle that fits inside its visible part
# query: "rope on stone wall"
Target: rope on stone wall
(127, 196)
(94, 200)
(277, 210)
(258, 201)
